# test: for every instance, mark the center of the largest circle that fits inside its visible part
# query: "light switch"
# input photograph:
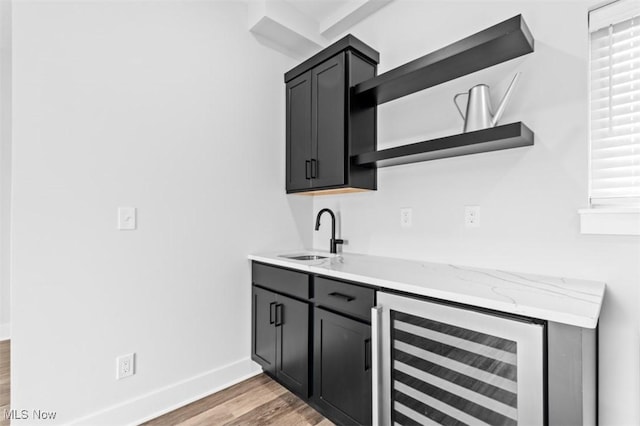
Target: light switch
(126, 218)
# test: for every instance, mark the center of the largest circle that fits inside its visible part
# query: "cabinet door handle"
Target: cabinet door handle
(279, 318)
(314, 168)
(271, 306)
(344, 297)
(367, 354)
(377, 401)
(307, 169)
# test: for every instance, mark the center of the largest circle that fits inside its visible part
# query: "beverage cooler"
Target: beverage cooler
(436, 363)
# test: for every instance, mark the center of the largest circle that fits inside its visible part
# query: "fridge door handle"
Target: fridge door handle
(376, 364)
(367, 354)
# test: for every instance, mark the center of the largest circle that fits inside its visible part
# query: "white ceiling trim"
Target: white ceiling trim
(349, 15)
(283, 27)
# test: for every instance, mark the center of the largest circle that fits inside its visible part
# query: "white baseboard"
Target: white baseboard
(5, 331)
(164, 400)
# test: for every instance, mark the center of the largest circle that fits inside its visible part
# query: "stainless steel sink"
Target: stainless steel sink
(304, 257)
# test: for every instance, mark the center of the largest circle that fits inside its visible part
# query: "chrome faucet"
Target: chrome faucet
(333, 243)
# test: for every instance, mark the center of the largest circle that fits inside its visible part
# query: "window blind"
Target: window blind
(615, 104)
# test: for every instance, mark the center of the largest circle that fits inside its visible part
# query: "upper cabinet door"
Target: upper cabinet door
(328, 123)
(299, 132)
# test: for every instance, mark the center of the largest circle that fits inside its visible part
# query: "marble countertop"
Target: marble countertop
(563, 300)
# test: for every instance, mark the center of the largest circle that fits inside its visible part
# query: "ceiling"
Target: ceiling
(318, 10)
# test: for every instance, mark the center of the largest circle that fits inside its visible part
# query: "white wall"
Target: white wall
(171, 107)
(5, 164)
(529, 197)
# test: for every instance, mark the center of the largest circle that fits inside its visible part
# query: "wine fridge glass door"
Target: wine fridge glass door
(442, 364)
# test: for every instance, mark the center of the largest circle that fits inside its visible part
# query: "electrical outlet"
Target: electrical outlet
(472, 216)
(406, 219)
(126, 366)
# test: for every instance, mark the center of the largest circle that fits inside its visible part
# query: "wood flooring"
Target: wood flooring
(5, 380)
(256, 401)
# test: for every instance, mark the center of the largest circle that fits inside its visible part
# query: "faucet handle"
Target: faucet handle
(334, 244)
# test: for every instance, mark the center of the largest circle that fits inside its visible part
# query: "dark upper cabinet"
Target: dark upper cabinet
(342, 368)
(325, 126)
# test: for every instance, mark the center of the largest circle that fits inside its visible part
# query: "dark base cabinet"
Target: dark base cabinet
(280, 338)
(324, 358)
(342, 368)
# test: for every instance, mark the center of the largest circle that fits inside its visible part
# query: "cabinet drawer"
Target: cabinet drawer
(344, 297)
(281, 280)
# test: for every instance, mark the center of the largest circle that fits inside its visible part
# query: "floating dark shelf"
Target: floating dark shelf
(504, 41)
(507, 136)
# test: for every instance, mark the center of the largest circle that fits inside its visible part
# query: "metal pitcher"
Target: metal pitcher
(479, 114)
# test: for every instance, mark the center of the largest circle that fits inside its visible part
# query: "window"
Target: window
(614, 163)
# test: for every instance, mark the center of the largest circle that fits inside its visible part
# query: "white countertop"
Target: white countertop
(568, 301)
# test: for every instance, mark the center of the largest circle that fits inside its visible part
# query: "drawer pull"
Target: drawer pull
(342, 296)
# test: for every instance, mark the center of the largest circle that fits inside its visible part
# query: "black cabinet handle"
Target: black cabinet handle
(367, 354)
(279, 319)
(271, 306)
(307, 169)
(342, 296)
(314, 168)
